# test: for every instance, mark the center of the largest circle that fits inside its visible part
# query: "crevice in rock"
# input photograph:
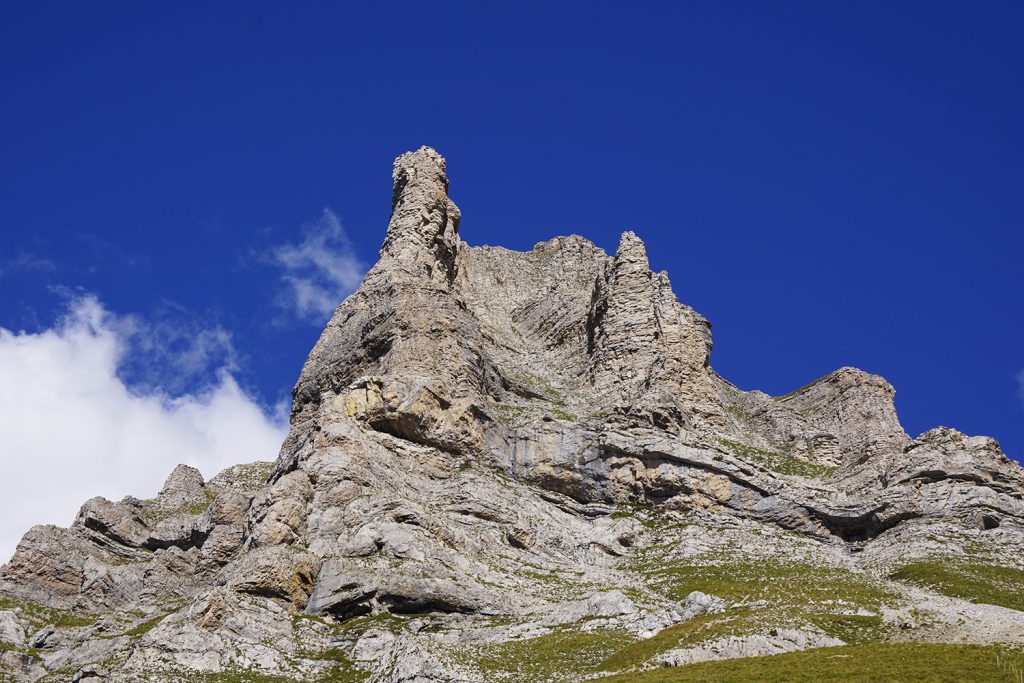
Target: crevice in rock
(863, 527)
(400, 604)
(989, 522)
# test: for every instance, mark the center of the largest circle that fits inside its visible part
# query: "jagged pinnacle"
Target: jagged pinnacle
(423, 165)
(632, 252)
(424, 224)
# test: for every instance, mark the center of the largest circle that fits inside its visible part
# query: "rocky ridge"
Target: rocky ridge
(496, 454)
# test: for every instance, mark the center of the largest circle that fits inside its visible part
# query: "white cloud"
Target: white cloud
(319, 271)
(71, 428)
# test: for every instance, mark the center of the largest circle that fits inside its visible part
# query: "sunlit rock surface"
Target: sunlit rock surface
(521, 466)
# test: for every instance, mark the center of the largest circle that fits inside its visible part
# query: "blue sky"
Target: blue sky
(829, 183)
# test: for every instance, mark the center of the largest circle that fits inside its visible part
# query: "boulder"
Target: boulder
(184, 488)
(118, 522)
(11, 631)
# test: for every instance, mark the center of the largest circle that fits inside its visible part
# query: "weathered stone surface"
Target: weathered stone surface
(415, 594)
(118, 522)
(647, 348)
(221, 545)
(698, 603)
(341, 591)
(20, 665)
(48, 566)
(754, 645)
(11, 631)
(490, 446)
(598, 605)
(277, 515)
(183, 489)
(278, 573)
(176, 530)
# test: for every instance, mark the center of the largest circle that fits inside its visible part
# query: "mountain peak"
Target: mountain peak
(492, 451)
(423, 165)
(632, 249)
(423, 230)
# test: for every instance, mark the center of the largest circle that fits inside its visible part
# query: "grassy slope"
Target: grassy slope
(798, 594)
(986, 583)
(560, 655)
(876, 663)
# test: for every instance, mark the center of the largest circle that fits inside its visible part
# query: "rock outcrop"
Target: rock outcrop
(490, 448)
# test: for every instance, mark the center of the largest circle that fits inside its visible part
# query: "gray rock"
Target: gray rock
(11, 631)
(698, 603)
(278, 573)
(489, 445)
(341, 591)
(410, 594)
(372, 646)
(776, 642)
(21, 666)
(520, 538)
(177, 530)
(118, 522)
(183, 488)
(606, 605)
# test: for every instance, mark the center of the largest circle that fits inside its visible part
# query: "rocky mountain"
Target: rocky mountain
(521, 466)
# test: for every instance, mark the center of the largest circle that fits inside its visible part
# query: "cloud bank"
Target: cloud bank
(71, 427)
(319, 271)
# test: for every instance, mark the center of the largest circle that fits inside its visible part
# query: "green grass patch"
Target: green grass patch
(383, 621)
(201, 507)
(540, 386)
(233, 676)
(852, 629)
(797, 585)
(777, 462)
(39, 615)
(986, 583)
(153, 515)
(739, 414)
(145, 627)
(650, 517)
(739, 622)
(510, 414)
(567, 654)
(250, 477)
(697, 630)
(877, 663)
(10, 647)
(559, 656)
(344, 669)
(301, 617)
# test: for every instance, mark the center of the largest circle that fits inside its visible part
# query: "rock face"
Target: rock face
(490, 448)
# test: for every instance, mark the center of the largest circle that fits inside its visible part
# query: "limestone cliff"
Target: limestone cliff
(492, 448)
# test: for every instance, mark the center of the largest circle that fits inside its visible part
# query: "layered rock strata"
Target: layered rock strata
(489, 446)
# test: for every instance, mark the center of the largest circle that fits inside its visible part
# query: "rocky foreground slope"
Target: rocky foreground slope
(521, 466)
